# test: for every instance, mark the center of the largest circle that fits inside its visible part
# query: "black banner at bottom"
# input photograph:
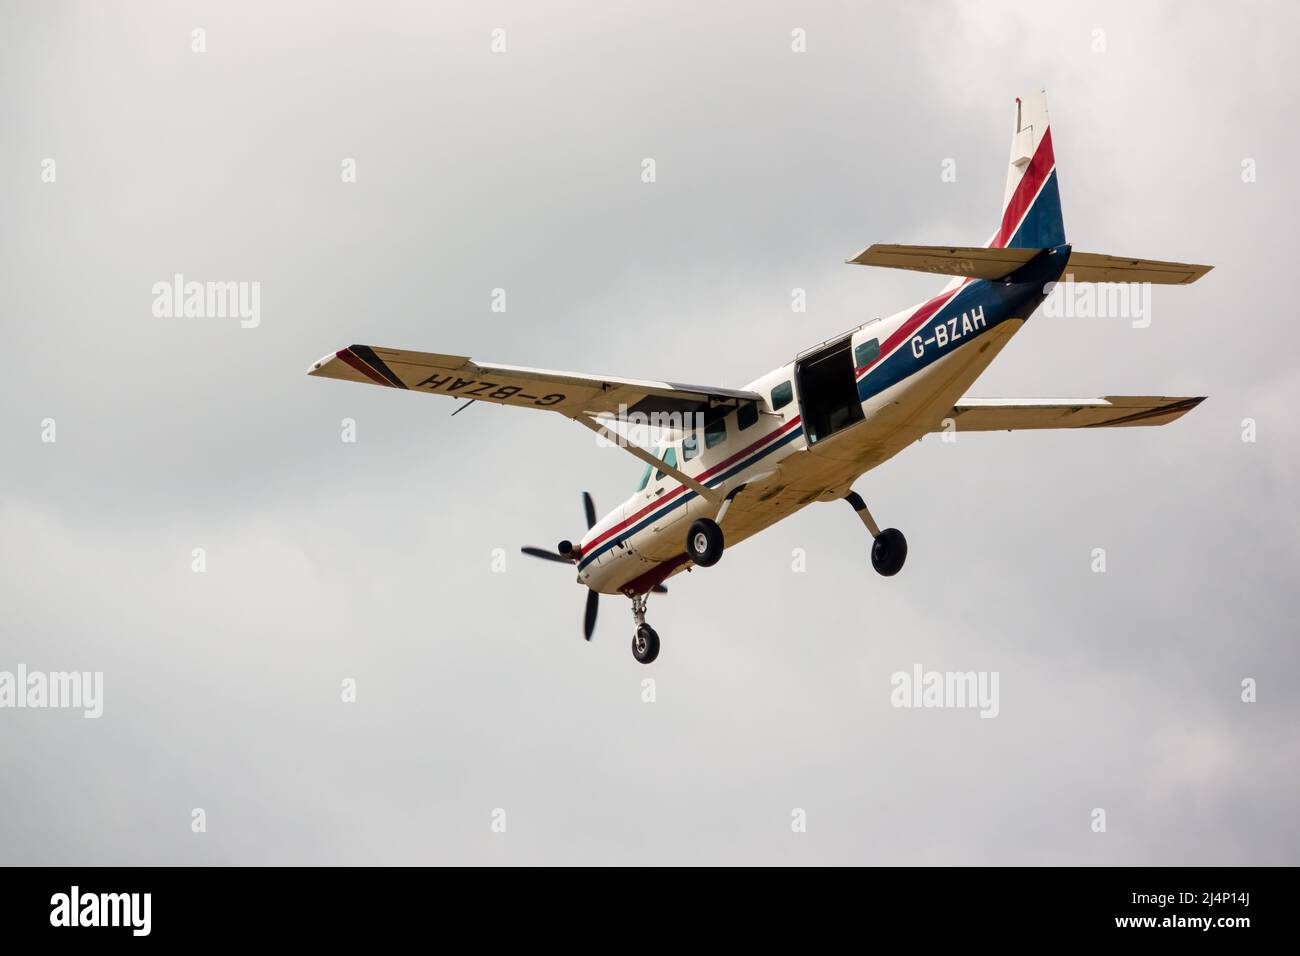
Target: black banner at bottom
(94, 905)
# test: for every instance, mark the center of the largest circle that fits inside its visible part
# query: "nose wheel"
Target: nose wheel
(645, 642)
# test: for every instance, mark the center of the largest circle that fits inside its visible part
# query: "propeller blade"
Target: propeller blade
(590, 507)
(659, 589)
(589, 616)
(545, 555)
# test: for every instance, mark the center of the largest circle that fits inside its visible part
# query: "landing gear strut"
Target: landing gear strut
(645, 642)
(888, 548)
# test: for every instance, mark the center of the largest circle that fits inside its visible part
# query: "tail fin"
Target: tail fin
(1031, 222)
(1031, 207)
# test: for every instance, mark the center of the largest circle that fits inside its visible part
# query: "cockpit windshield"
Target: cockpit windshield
(668, 456)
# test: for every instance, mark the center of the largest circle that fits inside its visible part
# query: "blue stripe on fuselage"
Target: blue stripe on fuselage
(999, 299)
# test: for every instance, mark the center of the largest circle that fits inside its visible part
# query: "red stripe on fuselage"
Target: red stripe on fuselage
(918, 318)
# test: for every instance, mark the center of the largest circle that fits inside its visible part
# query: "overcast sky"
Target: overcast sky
(372, 561)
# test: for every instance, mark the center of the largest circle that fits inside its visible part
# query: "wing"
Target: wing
(571, 394)
(997, 414)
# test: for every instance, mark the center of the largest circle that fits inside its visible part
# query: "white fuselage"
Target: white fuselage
(903, 373)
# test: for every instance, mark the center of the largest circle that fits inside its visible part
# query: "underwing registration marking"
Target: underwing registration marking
(453, 384)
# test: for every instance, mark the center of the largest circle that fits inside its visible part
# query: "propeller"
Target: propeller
(589, 614)
(565, 553)
(545, 555)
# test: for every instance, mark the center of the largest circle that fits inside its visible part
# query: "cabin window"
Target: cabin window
(746, 415)
(866, 353)
(690, 447)
(715, 432)
(670, 459)
(782, 395)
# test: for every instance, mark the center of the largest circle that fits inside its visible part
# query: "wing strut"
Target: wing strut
(709, 494)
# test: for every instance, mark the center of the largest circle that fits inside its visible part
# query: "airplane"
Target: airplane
(732, 462)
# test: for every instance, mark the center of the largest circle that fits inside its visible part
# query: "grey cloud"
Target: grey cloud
(373, 560)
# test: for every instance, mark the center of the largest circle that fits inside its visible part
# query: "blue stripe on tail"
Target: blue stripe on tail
(1043, 226)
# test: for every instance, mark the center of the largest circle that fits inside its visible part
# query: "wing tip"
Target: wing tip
(1182, 406)
(318, 367)
(1164, 414)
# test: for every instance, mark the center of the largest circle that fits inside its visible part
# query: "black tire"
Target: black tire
(704, 543)
(888, 552)
(645, 644)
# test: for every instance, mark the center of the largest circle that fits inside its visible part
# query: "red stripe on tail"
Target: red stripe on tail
(1031, 182)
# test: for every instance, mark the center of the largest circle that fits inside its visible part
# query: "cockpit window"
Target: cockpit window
(670, 459)
(645, 479)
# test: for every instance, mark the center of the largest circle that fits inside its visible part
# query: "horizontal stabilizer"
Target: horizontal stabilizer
(978, 262)
(1094, 267)
(1112, 411)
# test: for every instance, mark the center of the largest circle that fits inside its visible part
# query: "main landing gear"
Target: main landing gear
(645, 642)
(889, 547)
(704, 543)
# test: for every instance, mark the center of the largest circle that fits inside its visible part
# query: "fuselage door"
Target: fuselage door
(828, 391)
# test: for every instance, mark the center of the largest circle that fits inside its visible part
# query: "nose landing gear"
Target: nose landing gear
(645, 642)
